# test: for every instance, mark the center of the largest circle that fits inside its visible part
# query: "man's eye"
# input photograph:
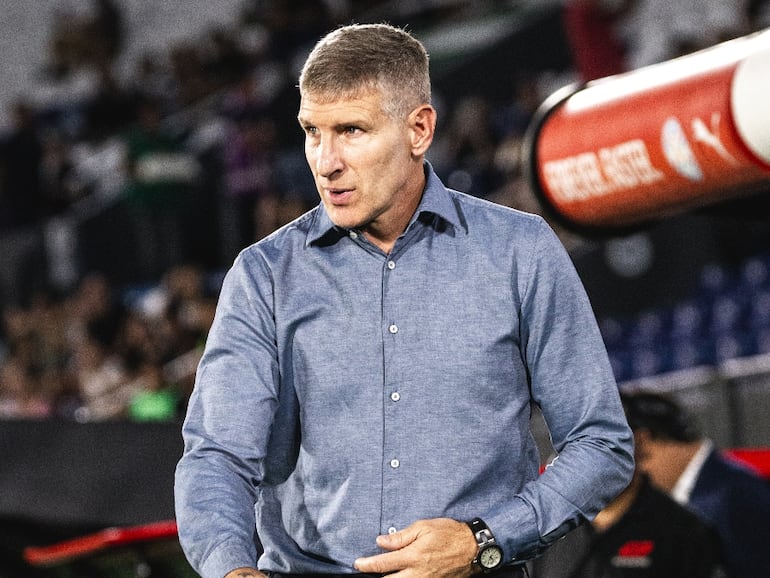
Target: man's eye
(351, 130)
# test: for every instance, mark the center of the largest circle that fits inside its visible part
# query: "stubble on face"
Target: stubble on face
(363, 164)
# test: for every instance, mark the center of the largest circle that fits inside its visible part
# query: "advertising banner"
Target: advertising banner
(658, 140)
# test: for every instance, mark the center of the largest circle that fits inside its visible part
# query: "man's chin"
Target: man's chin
(342, 218)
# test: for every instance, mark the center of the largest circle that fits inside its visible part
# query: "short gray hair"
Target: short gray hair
(357, 58)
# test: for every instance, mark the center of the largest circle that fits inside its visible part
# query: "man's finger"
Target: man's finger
(397, 540)
(380, 563)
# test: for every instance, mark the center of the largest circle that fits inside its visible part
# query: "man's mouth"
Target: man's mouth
(339, 196)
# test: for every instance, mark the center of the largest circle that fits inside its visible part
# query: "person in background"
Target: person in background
(249, 200)
(727, 496)
(641, 533)
(160, 175)
(23, 209)
(153, 397)
(363, 401)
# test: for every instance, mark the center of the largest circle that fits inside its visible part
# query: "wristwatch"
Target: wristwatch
(490, 554)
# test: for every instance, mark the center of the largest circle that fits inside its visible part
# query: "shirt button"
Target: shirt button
(353, 235)
(392, 530)
(394, 463)
(391, 265)
(393, 328)
(395, 396)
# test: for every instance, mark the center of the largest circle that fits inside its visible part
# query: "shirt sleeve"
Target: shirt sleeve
(572, 381)
(227, 427)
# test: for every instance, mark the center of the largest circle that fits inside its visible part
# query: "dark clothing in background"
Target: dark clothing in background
(655, 538)
(23, 208)
(21, 197)
(736, 503)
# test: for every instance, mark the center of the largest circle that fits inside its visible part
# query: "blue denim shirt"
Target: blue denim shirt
(345, 393)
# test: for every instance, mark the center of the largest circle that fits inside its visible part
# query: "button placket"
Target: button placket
(392, 397)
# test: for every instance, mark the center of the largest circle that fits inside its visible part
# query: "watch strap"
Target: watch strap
(484, 540)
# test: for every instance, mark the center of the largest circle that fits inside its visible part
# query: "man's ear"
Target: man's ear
(422, 125)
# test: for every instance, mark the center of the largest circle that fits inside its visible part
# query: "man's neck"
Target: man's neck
(615, 510)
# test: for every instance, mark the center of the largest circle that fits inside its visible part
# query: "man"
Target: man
(728, 497)
(641, 533)
(368, 378)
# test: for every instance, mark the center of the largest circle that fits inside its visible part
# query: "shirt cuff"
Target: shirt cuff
(516, 530)
(225, 558)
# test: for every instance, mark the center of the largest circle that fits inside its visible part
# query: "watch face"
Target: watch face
(490, 557)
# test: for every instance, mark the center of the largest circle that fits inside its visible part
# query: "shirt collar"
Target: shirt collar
(436, 202)
(686, 482)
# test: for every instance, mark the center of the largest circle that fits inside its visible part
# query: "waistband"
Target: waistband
(504, 572)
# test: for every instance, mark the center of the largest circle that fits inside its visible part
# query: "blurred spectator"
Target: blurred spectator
(153, 80)
(465, 155)
(22, 208)
(105, 28)
(512, 118)
(160, 174)
(93, 304)
(295, 24)
(111, 109)
(730, 498)
(153, 398)
(21, 394)
(57, 177)
(249, 201)
(102, 381)
(94, 321)
(643, 532)
(190, 80)
(222, 59)
(183, 314)
(30, 378)
(168, 324)
(84, 40)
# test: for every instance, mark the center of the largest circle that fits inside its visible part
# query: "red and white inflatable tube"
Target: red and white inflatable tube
(656, 141)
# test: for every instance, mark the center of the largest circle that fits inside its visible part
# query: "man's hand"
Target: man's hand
(245, 573)
(438, 548)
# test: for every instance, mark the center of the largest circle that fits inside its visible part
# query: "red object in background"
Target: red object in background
(656, 141)
(636, 549)
(105, 539)
(757, 459)
(591, 31)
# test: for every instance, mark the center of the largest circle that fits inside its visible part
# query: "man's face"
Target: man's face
(662, 460)
(367, 165)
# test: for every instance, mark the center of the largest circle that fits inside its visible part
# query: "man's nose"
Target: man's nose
(329, 160)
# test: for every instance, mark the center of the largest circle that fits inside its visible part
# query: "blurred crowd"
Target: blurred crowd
(95, 354)
(194, 154)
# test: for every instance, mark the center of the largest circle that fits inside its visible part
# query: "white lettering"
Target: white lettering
(618, 168)
(575, 178)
